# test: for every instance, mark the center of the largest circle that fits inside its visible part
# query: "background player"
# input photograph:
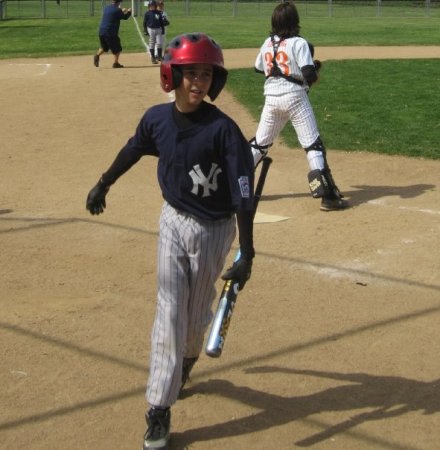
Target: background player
(286, 60)
(206, 175)
(109, 32)
(153, 27)
(161, 41)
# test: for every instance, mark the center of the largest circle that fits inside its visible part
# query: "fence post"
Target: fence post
(427, 7)
(234, 8)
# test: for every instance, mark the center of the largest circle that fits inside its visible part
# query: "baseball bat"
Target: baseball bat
(228, 296)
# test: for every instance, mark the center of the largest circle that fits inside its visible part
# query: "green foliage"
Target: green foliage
(382, 106)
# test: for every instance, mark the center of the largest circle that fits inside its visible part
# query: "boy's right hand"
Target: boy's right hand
(240, 271)
(96, 198)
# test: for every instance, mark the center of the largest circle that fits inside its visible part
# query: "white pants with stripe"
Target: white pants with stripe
(160, 43)
(191, 257)
(155, 37)
(296, 108)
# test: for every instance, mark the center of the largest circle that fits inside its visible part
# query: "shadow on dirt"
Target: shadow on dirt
(366, 193)
(385, 396)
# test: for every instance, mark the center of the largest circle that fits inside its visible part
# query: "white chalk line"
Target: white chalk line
(405, 208)
(171, 96)
(46, 67)
(141, 35)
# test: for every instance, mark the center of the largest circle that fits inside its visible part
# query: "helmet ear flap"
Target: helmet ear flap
(177, 76)
(218, 82)
(166, 77)
(170, 77)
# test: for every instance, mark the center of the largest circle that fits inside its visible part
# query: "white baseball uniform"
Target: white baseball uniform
(286, 100)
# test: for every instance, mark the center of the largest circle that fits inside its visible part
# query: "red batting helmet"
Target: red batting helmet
(192, 48)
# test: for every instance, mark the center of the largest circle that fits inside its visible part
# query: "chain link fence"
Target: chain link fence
(53, 9)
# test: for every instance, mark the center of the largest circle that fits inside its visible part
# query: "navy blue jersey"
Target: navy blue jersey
(153, 19)
(205, 169)
(111, 19)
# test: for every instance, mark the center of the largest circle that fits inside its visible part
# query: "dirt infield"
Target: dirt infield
(334, 343)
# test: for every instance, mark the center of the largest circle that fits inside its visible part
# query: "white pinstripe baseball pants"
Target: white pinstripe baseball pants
(191, 256)
(296, 107)
(160, 43)
(155, 36)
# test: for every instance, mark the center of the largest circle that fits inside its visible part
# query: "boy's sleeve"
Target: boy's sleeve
(240, 167)
(137, 146)
(303, 55)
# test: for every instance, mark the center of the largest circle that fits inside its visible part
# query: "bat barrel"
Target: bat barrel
(222, 318)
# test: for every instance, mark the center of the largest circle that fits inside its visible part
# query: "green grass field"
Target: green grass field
(355, 111)
(380, 106)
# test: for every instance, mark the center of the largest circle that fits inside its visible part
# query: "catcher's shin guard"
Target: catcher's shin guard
(258, 151)
(321, 182)
(322, 185)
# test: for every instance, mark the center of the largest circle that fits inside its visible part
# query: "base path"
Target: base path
(245, 57)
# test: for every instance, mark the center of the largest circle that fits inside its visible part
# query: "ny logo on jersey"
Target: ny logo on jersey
(207, 183)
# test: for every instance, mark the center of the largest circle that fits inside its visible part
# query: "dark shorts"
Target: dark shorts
(112, 43)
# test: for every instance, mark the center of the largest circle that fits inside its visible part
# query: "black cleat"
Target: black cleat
(158, 431)
(333, 204)
(96, 60)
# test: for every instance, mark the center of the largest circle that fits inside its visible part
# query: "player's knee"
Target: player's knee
(258, 151)
(317, 146)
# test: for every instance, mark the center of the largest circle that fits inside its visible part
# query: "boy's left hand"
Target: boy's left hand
(95, 202)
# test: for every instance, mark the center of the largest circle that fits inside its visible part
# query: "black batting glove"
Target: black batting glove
(96, 199)
(240, 271)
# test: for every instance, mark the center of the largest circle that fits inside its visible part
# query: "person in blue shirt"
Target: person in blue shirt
(205, 171)
(109, 32)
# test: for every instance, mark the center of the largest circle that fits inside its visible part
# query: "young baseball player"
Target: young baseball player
(161, 41)
(153, 27)
(206, 175)
(109, 32)
(286, 60)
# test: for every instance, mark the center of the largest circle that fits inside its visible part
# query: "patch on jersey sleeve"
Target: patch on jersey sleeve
(243, 182)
